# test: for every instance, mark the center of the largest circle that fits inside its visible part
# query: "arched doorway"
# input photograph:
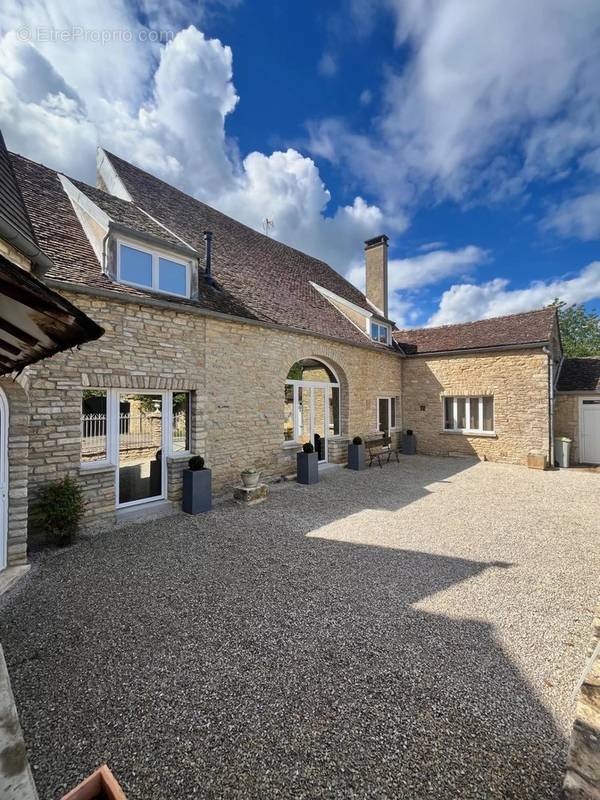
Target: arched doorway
(312, 405)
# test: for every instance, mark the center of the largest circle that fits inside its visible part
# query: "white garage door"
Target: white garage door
(590, 431)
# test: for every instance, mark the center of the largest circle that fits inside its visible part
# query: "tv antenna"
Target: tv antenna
(268, 225)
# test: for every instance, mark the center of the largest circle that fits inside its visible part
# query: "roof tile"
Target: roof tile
(530, 327)
(580, 375)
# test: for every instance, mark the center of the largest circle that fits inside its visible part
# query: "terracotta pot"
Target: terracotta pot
(101, 783)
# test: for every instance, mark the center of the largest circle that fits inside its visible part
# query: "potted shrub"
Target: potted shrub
(250, 477)
(197, 486)
(307, 465)
(356, 454)
(409, 443)
(58, 511)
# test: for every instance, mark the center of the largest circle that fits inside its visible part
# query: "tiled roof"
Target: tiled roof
(580, 375)
(126, 213)
(529, 327)
(62, 238)
(256, 277)
(268, 277)
(11, 203)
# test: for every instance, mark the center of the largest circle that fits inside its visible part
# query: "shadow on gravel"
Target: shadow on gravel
(233, 656)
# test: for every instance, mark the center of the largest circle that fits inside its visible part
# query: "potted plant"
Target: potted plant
(197, 485)
(307, 465)
(356, 454)
(250, 477)
(409, 443)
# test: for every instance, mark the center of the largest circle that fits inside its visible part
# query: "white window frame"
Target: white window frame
(389, 399)
(383, 325)
(468, 430)
(112, 424)
(156, 254)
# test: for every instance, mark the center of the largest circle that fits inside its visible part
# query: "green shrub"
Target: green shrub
(357, 440)
(58, 511)
(196, 463)
(308, 447)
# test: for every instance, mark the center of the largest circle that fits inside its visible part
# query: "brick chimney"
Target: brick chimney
(376, 263)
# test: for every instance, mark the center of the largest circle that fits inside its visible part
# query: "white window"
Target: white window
(380, 332)
(149, 269)
(469, 414)
(105, 419)
(386, 414)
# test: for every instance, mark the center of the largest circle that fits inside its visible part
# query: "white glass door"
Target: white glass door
(312, 421)
(141, 464)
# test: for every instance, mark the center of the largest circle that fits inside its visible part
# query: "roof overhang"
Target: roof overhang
(36, 322)
(473, 350)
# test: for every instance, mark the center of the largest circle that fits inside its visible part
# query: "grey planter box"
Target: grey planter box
(197, 494)
(307, 468)
(409, 444)
(356, 456)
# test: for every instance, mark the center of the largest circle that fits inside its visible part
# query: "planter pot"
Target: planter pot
(250, 479)
(356, 456)
(307, 468)
(100, 784)
(197, 494)
(409, 444)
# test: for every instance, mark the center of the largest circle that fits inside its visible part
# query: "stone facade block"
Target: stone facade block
(518, 381)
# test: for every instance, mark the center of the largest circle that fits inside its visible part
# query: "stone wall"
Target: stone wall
(582, 780)
(518, 380)
(244, 416)
(143, 348)
(235, 371)
(18, 444)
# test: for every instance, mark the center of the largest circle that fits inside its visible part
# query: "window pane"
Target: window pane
(172, 277)
(288, 413)
(488, 413)
(393, 413)
(93, 425)
(474, 414)
(383, 334)
(461, 413)
(448, 413)
(383, 414)
(181, 422)
(374, 331)
(334, 411)
(136, 266)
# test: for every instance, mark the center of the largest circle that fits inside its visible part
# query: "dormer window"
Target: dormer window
(150, 269)
(380, 332)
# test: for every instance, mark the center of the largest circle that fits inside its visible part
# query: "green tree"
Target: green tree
(579, 329)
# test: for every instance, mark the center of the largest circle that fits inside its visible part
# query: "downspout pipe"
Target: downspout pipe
(551, 396)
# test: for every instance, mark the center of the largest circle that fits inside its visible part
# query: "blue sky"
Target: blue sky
(472, 142)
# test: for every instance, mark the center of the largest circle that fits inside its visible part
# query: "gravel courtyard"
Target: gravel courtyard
(414, 632)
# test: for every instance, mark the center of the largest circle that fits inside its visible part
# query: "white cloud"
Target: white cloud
(165, 108)
(494, 94)
(366, 97)
(469, 301)
(432, 267)
(579, 216)
(328, 66)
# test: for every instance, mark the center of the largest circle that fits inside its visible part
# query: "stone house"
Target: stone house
(223, 342)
